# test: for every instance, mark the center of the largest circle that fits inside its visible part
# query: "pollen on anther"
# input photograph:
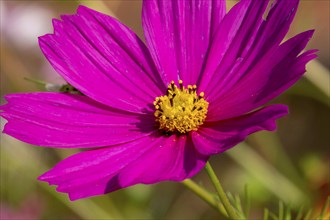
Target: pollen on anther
(180, 110)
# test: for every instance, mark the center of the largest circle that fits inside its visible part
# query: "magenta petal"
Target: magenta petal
(94, 52)
(65, 120)
(236, 35)
(147, 160)
(89, 173)
(178, 34)
(174, 159)
(272, 75)
(216, 137)
(243, 37)
(225, 37)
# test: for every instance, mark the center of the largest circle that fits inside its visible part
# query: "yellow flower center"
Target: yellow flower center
(181, 109)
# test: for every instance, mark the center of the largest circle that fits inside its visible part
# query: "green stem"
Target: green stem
(205, 195)
(266, 214)
(38, 82)
(324, 208)
(247, 201)
(221, 193)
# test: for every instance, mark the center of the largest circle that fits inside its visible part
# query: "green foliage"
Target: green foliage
(283, 212)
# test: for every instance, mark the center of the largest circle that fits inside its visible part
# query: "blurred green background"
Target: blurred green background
(291, 165)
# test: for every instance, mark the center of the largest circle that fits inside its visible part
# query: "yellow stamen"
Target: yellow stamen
(181, 109)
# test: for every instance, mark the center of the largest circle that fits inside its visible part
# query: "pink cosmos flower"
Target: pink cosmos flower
(158, 110)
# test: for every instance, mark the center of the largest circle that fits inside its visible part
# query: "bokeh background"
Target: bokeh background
(290, 165)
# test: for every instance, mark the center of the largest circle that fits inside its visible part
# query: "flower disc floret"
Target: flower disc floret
(181, 110)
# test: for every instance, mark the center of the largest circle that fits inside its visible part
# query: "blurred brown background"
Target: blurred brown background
(297, 155)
